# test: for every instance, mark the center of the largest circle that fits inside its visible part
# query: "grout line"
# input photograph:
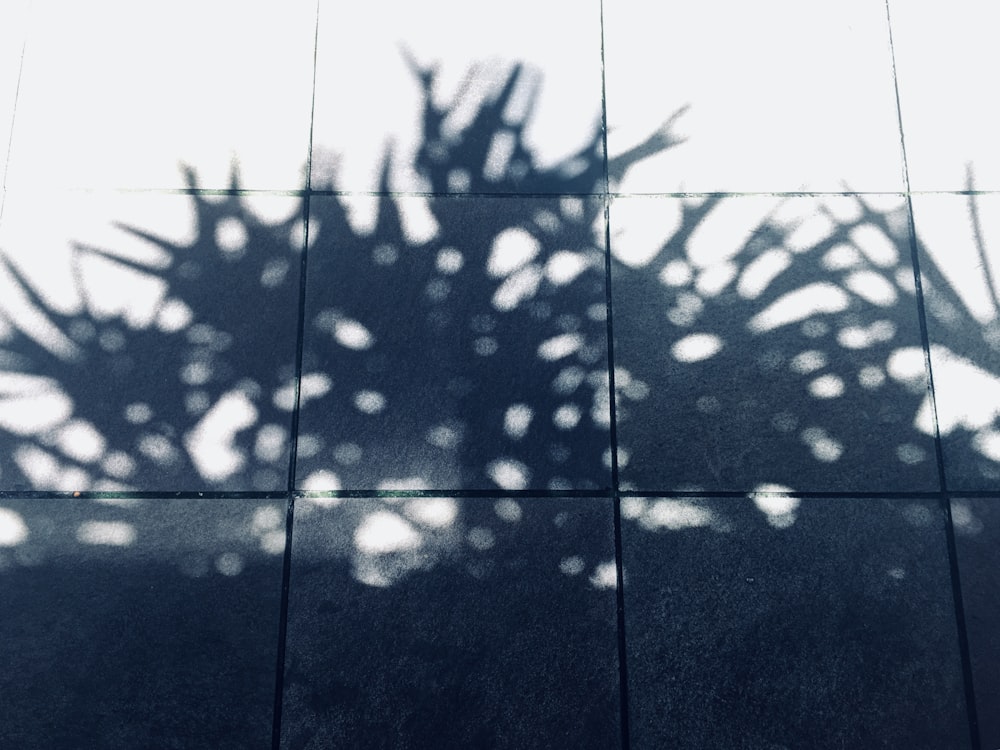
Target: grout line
(498, 494)
(623, 685)
(286, 565)
(13, 118)
(956, 583)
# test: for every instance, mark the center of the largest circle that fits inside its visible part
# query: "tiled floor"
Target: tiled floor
(565, 374)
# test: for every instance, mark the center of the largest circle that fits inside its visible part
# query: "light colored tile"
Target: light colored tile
(368, 97)
(959, 263)
(119, 95)
(779, 95)
(946, 62)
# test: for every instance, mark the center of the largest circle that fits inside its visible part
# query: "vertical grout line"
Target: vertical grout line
(286, 567)
(944, 501)
(615, 495)
(13, 116)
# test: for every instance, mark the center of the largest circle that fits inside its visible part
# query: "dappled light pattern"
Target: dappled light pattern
(780, 341)
(180, 387)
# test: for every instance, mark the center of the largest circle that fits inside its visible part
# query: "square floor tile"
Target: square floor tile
(147, 341)
(435, 622)
(121, 96)
(138, 623)
(768, 623)
(946, 63)
(763, 341)
(454, 343)
(977, 541)
(767, 96)
(486, 98)
(959, 259)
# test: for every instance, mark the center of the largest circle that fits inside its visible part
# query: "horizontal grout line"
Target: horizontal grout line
(488, 494)
(301, 193)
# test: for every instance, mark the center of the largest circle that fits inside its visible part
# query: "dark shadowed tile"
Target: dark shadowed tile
(765, 341)
(452, 623)
(977, 543)
(959, 242)
(147, 341)
(771, 623)
(146, 623)
(454, 343)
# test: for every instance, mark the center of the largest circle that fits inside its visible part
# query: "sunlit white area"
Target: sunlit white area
(557, 96)
(826, 120)
(130, 109)
(943, 93)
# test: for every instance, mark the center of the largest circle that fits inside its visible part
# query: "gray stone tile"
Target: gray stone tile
(949, 120)
(775, 623)
(13, 27)
(455, 342)
(147, 341)
(139, 623)
(126, 104)
(436, 622)
(764, 341)
(532, 69)
(959, 259)
(977, 541)
(769, 96)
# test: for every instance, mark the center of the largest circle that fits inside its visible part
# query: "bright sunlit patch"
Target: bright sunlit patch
(267, 518)
(714, 279)
(30, 404)
(760, 272)
(274, 273)
(561, 346)
(369, 402)
(987, 443)
(419, 224)
(231, 236)
(964, 519)
(841, 257)
(353, 335)
(568, 380)
(13, 529)
(517, 288)
(779, 510)
(449, 261)
(347, 454)
(516, 421)
(696, 347)
(823, 447)
(632, 507)
(271, 443)
(605, 576)
(871, 377)
(567, 416)
(508, 510)
(674, 515)
(322, 481)
(876, 246)
(815, 228)
(827, 386)
(501, 149)
(80, 440)
(174, 315)
(676, 273)
(564, 266)
(210, 444)
(808, 361)
(383, 532)
(512, 249)
(118, 464)
(485, 346)
(385, 254)
(508, 474)
(110, 533)
(435, 512)
(799, 305)
(873, 287)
